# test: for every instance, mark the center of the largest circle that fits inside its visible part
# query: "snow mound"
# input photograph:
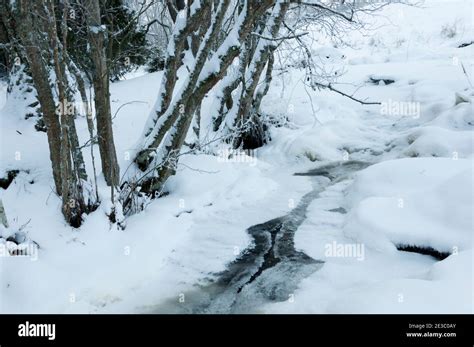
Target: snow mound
(410, 296)
(440, 142)
(460, 117)
(422, 202)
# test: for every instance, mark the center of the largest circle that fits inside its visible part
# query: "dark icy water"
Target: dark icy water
(270, 269)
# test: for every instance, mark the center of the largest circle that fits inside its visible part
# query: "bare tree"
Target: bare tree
(168, 125)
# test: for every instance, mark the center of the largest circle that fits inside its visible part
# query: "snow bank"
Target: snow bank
(440, 142)
(446, 289)
(422, 202)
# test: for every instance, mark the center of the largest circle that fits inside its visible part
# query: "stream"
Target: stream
(270, 269)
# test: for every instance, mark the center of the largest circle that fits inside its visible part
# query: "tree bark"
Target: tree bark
(90, 123)
(3, 215)
(41, 81)
(247, 118)
(176, 121)
(72, 163)
(107, 151)
(174, 60)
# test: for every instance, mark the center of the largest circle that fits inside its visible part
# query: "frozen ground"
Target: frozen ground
(417, 191)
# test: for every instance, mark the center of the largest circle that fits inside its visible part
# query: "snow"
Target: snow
(100, 266)
(330, 62)
(440, 142)
(417, 191)
(97, 29)
(101, 269)
(419, 202)
(420, 193)
(213, 65)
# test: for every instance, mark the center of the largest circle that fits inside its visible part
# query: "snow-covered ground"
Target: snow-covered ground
(418, 192)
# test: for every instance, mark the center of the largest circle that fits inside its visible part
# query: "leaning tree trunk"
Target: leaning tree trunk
(166, 119)
(230, 83)
(183, 28)
(108, 154)
(173, 125)
(253, 133)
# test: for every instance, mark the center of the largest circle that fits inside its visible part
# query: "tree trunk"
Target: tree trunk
(174, 60)
(40, 76)
(90, 123)
(3, 215)
(247, 118)
(37, 31)
(166, 120)
(174, 124)
(72, 163)
(101, 94)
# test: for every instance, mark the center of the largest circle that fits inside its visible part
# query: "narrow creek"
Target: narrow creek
(270, 269)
